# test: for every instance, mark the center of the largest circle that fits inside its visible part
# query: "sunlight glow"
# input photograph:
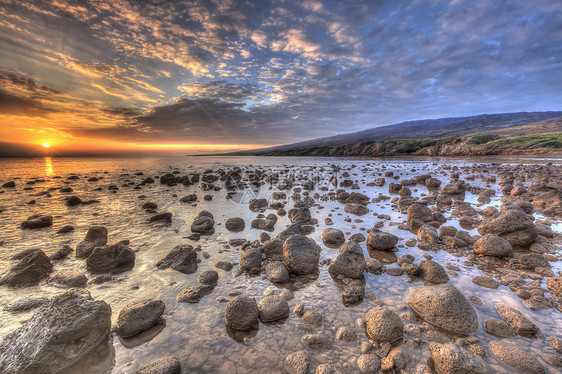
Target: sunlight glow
(46, 145)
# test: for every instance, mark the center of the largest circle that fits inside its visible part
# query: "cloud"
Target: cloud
(21, 106)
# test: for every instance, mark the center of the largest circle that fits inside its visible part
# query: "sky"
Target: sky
(216, 75)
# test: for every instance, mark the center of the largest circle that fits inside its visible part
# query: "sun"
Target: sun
(46, 145)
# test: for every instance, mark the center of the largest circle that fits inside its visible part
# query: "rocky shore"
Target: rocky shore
(370, 267)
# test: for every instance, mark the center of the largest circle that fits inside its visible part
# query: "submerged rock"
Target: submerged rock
(517, 321)
(516, 357)
(139, 316)
(194, 294)
(61, 332)
(161, 365)
(297, 362)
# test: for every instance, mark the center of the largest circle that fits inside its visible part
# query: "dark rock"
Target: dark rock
(194, 294)
(241, 313)
(182, 258)
(30, 270)
(161, 365)
(37, 221)
(301, 254)
(111, 259)
(139, 316)
(96, 237)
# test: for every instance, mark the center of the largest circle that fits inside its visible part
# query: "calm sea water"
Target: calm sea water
(196, 333)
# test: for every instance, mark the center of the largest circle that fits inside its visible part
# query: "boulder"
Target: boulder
(419, 211)
(432, 272)
(61, 332)
(208, 277)
(235, 224)
(273, 308)
(194, 294)
(554, 285)
(68, 278)
(333, 237)
(300, 215)
(428, 233)
(182, 258)
(139, 316)
(95, 237)
(111, 258)
(33, 267)
(517, 321)
(369, 363)
(241, 313)
(499, 328)
(450, 358)
(383, 325)
(257, 204)
(37, 221)
(492, 245)
(512, 224)
(317, 341)
(166, 218)
(161, 365)
(277, 272)
(203, 225)
(350, 261)
(356, 209)
(251, 260)
(380, 240)
(301, 254)
(533, 260)
(516, 356)
(445, 307)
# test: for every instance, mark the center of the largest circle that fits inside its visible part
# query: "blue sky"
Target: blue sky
(250, 73)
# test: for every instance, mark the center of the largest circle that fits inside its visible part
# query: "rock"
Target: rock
(150, 206)
(273, 308)
(9, 184)
(333, 237)
(161, 365)
(512, 224)
(182, 258)
(193, 294)
(554, 360)
(208, 277)
(350, 261)
(297, 363)
(485, 281)
(241, 313)
(516, 357)
(224, 265)
(73, 200)
(428, 233)
(317, 341)
(65, 229)
(62, 253)
(499, 328)
(292, 229)
(450, 358)
(327, 369)
(61, 332)
(257, 204)
(25, 304)
(111, 259)
(164, 217)
(492, 245)
(346, 334)
(445, 307)
(37, 221)
(301, 254)
(29, 270)
(235, 224)
(353, 293)
(556, 343)
(533, 260)
(383, 325)
(368, 363)
(356, 209)
(95, 237)
(374, 266)
(277, 272)
(251, 260)
(554, 285)
(299, 215)
(432, 272)
(203, 225)
(548, 199)
(68, 278)
(189, 198)
(380, 240)
(517, 321)
(139, 316)
(313, 318)
(419, 211)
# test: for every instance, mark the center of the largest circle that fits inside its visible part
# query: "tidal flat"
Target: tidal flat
(281, 264)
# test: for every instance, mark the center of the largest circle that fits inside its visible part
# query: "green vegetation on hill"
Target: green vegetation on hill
(486, 144)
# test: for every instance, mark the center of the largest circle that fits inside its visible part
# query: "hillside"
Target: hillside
(523, 123)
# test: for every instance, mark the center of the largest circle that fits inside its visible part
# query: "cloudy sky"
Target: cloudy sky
(226, 74)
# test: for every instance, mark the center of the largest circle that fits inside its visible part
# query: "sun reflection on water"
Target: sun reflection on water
(48, 166)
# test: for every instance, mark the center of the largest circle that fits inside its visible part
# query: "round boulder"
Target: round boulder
(301, 254)
(273, 308)
(241, 313)
(380, 240)
(492, 245)
(139, 316)
(383, 325)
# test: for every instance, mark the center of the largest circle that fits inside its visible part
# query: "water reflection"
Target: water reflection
(48, 167)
